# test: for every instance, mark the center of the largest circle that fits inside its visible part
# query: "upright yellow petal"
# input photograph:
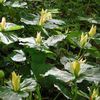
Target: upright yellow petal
(92, 31)
(83, 40)
(95, 94)
(15, 82)
(38, 38)
(44, 16)
(3, 23)
(75, 67)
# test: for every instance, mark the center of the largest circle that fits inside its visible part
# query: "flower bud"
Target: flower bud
(2, 74)
(83, 40)
(75, 67)
(38, 38)
(15, 82)
(95, 94)
(1, 1)
(92, 31)
(3, 23)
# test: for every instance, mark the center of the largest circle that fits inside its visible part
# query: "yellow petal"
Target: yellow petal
(83, 40)
(95, 93)
(15, 82)
(44, 16)
(75, 67)
(3, 23)
(92, 31)
(38, 38)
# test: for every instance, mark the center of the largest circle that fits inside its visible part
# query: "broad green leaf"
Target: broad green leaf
(90, 20)
(51, 41)
(60, 85)
(97, 40)
(93, 75)
(19, 57)
(98, 2)
(50, 26)
(28, 41)
(53, 23)
(30, 22)
(16, 4)
(12, 27)
(7, 94)
(8, 39)
(59, 74)
(84, 67)
(64, 60)
(28, 85)
(53, 10)
(94, 52)
(57, 22)
(74, 34)
(38, 62)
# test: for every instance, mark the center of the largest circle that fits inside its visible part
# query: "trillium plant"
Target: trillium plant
(49, 51)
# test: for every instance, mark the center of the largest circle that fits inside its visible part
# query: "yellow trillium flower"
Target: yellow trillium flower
(3, 23)
(92, 31)
(75, 67)
(83, 40)
(15, 81)
(44, 16)
(1, 1)
(95, 94)
(38, 38)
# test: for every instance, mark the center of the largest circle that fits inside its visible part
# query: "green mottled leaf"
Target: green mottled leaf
(12, 27)
(7, 94)
(8, 39)
(38, 62)
(28, 85)
(19, 57)
(51, 41)
(59, 74)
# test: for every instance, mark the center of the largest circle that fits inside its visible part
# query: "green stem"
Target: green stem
(2, 81)
(74, 90)
(38, 92)
(56, 96)
(79, 54)
(30, 96)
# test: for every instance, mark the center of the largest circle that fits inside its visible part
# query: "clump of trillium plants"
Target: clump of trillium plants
(43, 57)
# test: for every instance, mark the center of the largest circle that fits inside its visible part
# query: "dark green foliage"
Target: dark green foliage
(42, 52)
